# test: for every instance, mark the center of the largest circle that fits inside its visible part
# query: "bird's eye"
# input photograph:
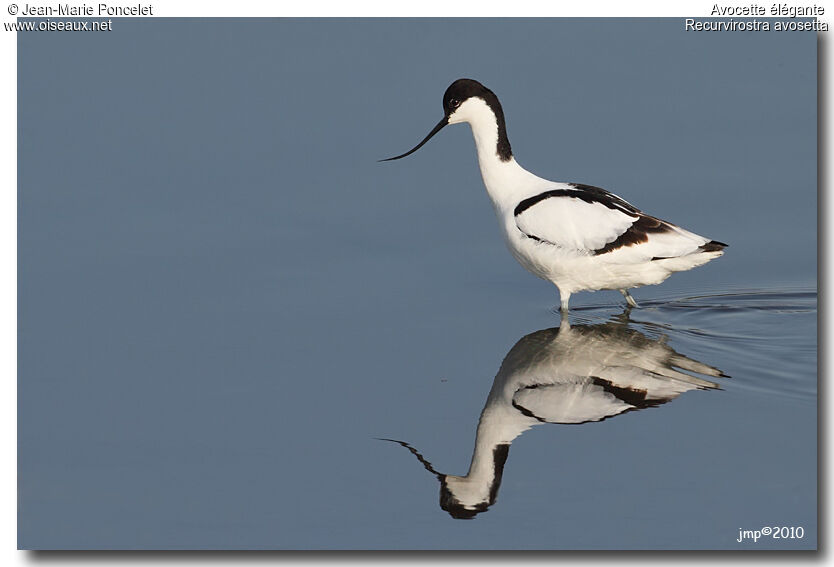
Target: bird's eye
(454, 103)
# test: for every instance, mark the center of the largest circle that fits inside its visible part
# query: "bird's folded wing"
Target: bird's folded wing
(572, 223)
(568, 403)
(595, 225)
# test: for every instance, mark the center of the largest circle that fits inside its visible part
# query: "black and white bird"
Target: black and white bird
(576, 236)
(565, 375)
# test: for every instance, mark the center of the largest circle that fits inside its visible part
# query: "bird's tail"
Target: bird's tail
(712, 246)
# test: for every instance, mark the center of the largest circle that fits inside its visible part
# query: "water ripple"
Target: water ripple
(765, 338)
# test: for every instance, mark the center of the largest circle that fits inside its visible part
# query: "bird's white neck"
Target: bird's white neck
(505, 180)
(497, 426)
(496, 431)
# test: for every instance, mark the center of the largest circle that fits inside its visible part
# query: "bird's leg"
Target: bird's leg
(565, 296)
(628, 298)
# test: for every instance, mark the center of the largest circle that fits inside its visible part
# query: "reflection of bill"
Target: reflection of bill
(569, 375)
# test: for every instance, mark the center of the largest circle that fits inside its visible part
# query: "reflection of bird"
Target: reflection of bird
(566, 375)
(577, 236)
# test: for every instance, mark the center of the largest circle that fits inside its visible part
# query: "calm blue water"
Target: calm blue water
(225, 302)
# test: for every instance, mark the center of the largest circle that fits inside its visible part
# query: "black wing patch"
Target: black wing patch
(713, 246)
(586, 193)
(638, 232)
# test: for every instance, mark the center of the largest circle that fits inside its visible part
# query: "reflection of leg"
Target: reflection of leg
(628, 298)
(565, 295)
